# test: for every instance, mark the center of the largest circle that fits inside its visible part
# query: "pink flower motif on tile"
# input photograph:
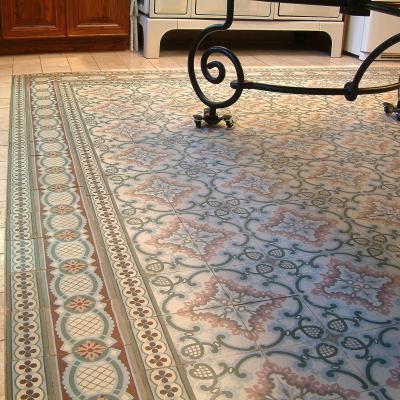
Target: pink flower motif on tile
(362, 141)
(137, 155)
(259, 183)
(394, 380)
(208, 238)
(199, 309)
(220, 151)
(276, 382)
(112, 109)
(125, 130)
(199, 241)
(305, 226)
(294, 146)
(161, 189)
(392, 168)
(333, 174)
(103, 91)
(175, 238)
(152, 190)
(376, 291)
(380, 211)
(90, 350)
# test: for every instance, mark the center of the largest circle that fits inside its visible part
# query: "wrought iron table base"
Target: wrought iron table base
(350, 91)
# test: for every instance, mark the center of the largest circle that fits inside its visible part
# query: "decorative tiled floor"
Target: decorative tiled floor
(148, 259)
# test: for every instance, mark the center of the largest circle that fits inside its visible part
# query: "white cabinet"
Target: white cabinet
(179, 7)
(157, 17)
(366, 33)
(303, 11)
(243, 8)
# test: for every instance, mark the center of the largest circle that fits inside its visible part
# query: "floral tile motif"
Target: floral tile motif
(147, 259)
(188, 290)
(232, 377)
(204, 334)
(318, 371)
(349, 293)
(308, 229)
(280, 321)
(376, 355)
(376, 211)
(254, 284)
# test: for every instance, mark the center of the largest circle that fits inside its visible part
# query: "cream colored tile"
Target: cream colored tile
(3, 168)
(165, 63)
(6, 69)
(2, 270)
(110, 61)
(2, 369)
(5, 90)
(55, 68)
(2, 240)
(4, 137)
(27, 68)
(3, 194)
(3, 213)
(52, 56)
(82, 63)
(4, 118)
(5, 78)
(27, 64)
(26, 57)
(135, 61)
(6, 60)
(54, 63)
(2, 318)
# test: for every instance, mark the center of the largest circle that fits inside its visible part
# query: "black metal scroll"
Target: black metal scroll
(350, 91)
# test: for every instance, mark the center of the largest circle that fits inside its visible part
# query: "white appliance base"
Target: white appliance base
(155, 28)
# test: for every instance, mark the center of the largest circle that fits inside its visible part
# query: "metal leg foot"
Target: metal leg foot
(392, 109)
(210, 117)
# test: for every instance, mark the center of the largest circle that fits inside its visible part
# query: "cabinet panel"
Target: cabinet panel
(171, 6)
(303, 10)
(242, 8)
(97, 17)
(33, 18)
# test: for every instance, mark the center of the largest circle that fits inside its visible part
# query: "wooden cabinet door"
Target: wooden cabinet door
(33, 18)
(97, 17)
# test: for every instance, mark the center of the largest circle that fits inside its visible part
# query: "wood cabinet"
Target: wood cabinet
(97, 17)
(60, 25)
(33, 18)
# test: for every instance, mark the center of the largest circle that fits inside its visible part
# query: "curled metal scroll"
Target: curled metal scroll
(350, 91)
(207, 66)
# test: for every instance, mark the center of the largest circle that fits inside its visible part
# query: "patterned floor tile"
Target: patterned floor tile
(218, 241)
(349, 293)
(280, 321)
(317, 370)
(202, 334)
(233, 377)
(253, 284)
(165, 238)
(200, 289)
(260, 262)
(376, 354)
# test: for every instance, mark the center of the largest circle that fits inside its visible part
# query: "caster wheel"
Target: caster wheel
(388, 108)
(198, 120)
(229, 123)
